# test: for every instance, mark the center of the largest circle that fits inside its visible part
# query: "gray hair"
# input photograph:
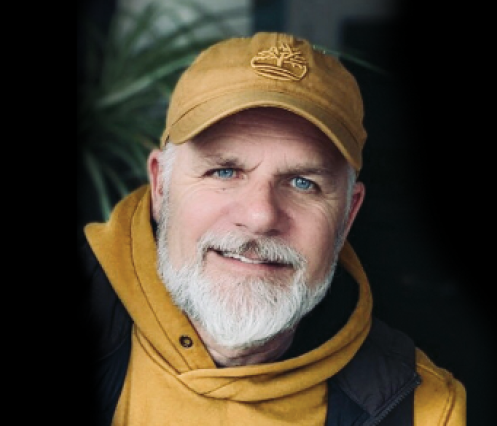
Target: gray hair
(166, 161)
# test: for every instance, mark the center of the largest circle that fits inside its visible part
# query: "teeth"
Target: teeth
(242, 258)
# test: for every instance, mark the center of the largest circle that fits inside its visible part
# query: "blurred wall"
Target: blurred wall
(322, 21)
(186, 11)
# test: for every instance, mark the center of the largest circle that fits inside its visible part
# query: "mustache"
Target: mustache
(267, 249)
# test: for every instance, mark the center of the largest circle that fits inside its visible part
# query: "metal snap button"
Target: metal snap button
(186, 341)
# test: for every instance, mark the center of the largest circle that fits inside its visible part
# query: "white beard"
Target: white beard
(243, 312)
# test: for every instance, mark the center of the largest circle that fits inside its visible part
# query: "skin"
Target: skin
(265, 172)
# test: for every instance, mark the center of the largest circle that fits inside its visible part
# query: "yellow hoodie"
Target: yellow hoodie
(172, 383)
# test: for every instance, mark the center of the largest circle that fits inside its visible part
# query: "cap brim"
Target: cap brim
(213, 110)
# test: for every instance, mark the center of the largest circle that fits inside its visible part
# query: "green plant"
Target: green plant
(128, 75)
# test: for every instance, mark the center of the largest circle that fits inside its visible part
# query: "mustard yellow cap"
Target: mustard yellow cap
(269, 69)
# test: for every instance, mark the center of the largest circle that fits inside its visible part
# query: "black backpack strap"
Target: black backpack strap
(109, 375)
(377, 386)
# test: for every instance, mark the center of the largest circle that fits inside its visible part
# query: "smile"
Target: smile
(248, 260)
(243, 258)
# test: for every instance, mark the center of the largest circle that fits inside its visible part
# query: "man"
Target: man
(225, 292)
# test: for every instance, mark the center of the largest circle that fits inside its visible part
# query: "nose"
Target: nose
(260, 211)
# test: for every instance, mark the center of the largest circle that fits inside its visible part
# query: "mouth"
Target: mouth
(249, 260)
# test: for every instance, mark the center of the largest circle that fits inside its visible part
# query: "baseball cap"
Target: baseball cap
(268, 69)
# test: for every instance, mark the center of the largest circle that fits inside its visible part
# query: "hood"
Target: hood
(125, 247)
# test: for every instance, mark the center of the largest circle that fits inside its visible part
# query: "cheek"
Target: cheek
(317, 235)
(192, 214)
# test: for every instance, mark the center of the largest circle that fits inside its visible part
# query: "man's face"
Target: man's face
(262, 175)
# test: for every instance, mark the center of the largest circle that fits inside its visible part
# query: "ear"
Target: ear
(358, 193)
(154, 177)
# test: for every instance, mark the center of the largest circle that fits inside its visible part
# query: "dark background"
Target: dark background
(425, 233)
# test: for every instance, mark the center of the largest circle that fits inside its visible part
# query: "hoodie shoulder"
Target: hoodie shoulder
(441, 398)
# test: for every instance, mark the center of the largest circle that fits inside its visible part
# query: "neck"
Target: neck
(267, 352)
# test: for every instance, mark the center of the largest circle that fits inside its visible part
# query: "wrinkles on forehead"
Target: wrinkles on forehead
(261, 123)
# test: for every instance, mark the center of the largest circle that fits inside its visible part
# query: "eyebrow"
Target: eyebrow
(221, 160)
(310, 170)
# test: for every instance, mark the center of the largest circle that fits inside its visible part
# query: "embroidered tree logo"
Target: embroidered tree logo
(280, 63)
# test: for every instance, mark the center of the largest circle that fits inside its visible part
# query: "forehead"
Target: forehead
(272, 129)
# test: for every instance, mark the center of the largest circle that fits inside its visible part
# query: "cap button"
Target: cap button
(186, 341)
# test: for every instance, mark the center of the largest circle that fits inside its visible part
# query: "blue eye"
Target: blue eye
(224, 173)
(302, 183)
